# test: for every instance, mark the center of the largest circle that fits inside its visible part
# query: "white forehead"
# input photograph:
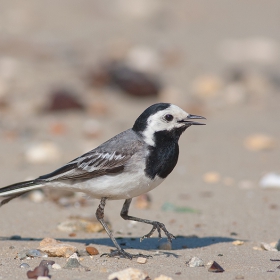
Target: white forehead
(156, 122)
(174, 110)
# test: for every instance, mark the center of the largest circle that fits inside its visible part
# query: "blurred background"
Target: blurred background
(75, 73)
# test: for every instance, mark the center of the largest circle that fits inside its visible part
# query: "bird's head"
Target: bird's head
(166, 118)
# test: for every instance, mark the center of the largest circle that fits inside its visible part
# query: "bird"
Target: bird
(129, 164)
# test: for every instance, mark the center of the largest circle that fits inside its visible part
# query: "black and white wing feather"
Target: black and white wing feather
(89, 165)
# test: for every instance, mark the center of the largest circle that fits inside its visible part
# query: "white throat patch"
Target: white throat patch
(157, 122)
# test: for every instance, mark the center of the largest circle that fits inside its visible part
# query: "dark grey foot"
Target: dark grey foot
(159, 226)
(123, 254)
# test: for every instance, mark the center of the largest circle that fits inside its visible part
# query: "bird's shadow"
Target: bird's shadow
(180, 243)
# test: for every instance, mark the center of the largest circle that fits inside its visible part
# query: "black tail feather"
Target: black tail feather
(15, 190)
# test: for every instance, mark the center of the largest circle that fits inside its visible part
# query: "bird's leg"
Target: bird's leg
(156, 225)
(100, 217)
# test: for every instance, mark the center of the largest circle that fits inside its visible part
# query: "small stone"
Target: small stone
(81, 224)
(92, 250)
(211, 177)
(143, 201)
(268, 247)
(33, 253)
(270, 180)
(165, 246)
(73, 263)
(46, 263)
(195, 262)
(24, 265)
(141, 260)
(259, 142)
(163, 277)
(56, 248)
(36, 196)
(38, 271)
(238, 242)
(133, 82)
(42, 153)
(64, 99)
(129, 274)
(82, 253)
(215, 267)
(56, 266)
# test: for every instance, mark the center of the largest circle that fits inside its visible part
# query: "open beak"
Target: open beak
(189, 118)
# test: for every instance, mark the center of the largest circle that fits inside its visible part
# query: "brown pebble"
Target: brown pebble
(215, 267)
(38, 271)
(92, 250)
(63, 99)
(72, 234)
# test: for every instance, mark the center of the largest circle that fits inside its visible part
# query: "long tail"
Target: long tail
(12, 191)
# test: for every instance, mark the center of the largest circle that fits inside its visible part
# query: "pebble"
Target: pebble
(43, 278)
(83, 253)
(24, 265)
(238, 242)
(56, 266)
(37, 196)
(195, 262)
(33, 253)
(38, 271)
(46, 263)
(141, 260)
(268, 247)
(134, 82)
(259, 142)
(129, 274)
(73, 263)
(92, 250)
(64, 99)
(55, 248)
(44, 152)
(270, 180)
(215, 267)
(81, 224)
(163, 277)
(211, 177)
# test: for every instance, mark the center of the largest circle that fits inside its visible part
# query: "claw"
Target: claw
(158, 226)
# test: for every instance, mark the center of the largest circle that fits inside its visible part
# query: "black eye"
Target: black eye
(168, 117)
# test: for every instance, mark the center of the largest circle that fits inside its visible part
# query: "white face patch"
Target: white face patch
(157, 122)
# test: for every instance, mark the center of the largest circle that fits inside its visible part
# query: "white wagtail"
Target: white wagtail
(129, 164)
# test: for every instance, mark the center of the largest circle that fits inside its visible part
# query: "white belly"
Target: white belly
(119, 186)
